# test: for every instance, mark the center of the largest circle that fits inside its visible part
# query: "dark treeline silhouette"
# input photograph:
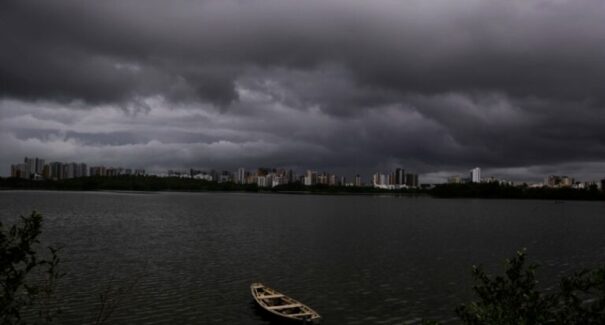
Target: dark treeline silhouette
(495, 190)
(329, 189)
(125, 183)
(154, 183)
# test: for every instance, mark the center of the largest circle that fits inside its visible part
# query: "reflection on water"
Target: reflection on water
(354, 259)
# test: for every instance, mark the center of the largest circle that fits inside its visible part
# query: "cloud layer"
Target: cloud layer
(349, 86)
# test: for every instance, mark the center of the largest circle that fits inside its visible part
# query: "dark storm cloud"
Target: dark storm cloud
(110, 50)
(434, 85)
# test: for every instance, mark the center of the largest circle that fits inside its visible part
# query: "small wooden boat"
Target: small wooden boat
(282, 306)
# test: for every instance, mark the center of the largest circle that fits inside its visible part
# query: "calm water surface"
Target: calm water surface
(355, 259)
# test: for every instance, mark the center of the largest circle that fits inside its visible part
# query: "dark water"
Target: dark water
(355, 259)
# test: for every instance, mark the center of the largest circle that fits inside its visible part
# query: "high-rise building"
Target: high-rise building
(97, 171)
(552, 181)
(399, 176)
(454, 179)
(46, 172)
(39, 163)
(558, 181)
(30, 166)
(80, 170)
(476, 175)
(322, 179)
(358, 180)
(19, 171)
(566, 181)
(69, 170)
(263, 181)
(332, 180)
(117, 171)
(56, 170)
(411, 180)
(278, 180)
(241, 176)
(225, 177)
(391, 179)
(310, 178)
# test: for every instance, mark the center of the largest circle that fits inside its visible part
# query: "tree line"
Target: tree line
(153, 183)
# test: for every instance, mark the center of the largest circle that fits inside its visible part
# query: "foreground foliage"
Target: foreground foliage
(501, 191)
(514, 299)
(26, 280)
(154, 183)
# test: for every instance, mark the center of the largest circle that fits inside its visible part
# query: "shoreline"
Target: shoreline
(302, 193)
(150, 184)
(342, 193)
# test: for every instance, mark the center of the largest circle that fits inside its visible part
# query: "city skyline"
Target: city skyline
(352, 87)
(473, 175)
(36, 168)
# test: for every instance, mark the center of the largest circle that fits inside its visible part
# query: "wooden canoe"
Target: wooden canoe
(282, 306)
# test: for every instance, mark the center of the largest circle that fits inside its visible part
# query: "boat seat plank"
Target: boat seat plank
(284, 306)
(300, 314)
(277, 295)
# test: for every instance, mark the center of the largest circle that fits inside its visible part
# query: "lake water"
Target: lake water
(190, 257)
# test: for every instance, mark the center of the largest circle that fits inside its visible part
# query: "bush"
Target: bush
(513, 299)
(19, 261)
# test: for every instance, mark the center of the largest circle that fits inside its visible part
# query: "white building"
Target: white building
(476, 175)
(310, 178)
(279, 180)
(241, 176)
(203, 176)
(383, 181)
(262, 181)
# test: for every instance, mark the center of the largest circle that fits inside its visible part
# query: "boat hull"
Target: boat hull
(278, 319)
(282, 308)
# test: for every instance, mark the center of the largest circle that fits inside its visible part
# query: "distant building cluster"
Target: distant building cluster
(558, 181)
(395, 180)
(475, 176)
(263, 177)
(552, 181)
(267, 177)
(37, 169)
(312, 177)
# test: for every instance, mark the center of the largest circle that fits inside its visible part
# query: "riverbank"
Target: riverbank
(174, 184)
(156, 184)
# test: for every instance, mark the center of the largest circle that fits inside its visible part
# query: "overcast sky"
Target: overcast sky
(438, 87)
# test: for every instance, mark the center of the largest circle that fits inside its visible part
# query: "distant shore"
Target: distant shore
(174, 184)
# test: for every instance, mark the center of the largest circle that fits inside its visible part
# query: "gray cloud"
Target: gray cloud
(436, 86)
